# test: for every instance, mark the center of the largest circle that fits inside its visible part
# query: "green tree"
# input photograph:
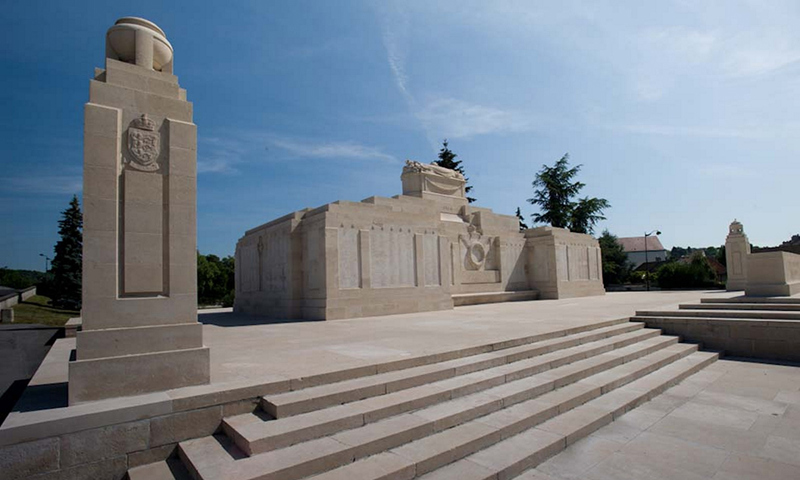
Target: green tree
(68, 260)
(586, 213)
(697, 273)
(721, 256)
(447, 159)
(522, 224)
(554, 191)
(215, 280)
(616, 267)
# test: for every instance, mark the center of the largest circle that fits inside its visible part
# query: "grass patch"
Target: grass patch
(37, 309)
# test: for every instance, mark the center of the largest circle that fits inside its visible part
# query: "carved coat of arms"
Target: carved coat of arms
(144, 144)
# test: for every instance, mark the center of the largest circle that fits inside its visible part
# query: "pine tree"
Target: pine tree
(447, 159)
(616, 267)
(68, 260)
(522, 224)
(554, 193)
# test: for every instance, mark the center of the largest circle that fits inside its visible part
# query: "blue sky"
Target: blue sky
(684, 114)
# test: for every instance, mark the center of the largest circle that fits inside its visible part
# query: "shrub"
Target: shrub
(695, 274)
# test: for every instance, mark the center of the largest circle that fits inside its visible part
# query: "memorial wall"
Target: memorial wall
(409, 253)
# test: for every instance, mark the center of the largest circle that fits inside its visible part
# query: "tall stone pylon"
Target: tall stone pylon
(140, 332)
(737, 248)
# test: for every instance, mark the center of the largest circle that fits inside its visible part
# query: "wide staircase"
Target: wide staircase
(481, 413)
(763, 328)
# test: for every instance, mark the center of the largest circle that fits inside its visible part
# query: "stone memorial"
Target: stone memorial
(737, 248)
(140, 331)
(414, 252)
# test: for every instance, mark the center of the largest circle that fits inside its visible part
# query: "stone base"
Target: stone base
(111, 377)
(776, 290)
(735, 285)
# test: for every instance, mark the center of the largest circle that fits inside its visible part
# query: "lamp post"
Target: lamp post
(46, 262)
(647, 267)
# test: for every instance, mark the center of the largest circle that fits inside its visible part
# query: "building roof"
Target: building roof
(636, 244)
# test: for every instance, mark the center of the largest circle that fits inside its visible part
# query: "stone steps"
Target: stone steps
(754, 314)
(463, 299)
(411, 431)
(254, 435)
(440, 449)
(314, 398)
(744, 299)
(515, 454)
(786, 307)
(171, 469)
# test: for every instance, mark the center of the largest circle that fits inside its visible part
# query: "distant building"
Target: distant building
(634, 248)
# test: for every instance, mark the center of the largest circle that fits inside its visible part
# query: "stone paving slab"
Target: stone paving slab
(734, 420)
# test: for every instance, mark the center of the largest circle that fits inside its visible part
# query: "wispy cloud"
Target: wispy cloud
(689, 131)
(222, 155)
(453, 118)
(230, 154)
(44, 185)
(332, 150)
(440, 117)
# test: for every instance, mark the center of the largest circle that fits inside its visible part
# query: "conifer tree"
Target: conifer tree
(522, 224)
(68, 260)
(447, 159)
(554, 193)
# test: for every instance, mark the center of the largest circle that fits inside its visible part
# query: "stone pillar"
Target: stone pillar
(737, 248)
(140, 332)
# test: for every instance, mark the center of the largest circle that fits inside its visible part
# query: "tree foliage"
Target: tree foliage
(215, 280)
(67, 263)
(447, 159)
(554, 194)
(522, 224)
(697, 273)
(20, 279)
(616, 267)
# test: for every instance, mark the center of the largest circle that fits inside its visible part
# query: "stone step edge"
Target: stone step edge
(482, 298)
(769, 322)
(740, 306)
(375, 385)
(261, 444)
(603, 411)
(170, 469)
(754, 314)
(472, 445)
(333, 457)
(769, 300)
(394, 365)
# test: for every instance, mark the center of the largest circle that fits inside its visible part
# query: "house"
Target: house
(635, 249)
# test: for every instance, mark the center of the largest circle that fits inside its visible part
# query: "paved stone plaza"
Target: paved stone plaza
(732, 421)
(249, 348)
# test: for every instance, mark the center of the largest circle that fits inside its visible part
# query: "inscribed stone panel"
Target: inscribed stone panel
(143, 239)
(430, 259)
(392, 258)
(349, 258)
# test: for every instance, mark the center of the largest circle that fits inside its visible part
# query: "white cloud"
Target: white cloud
(332, 150)
(692, 131)
(453, 118)
(53, 184)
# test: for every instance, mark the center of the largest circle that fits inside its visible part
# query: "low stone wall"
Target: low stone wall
(105, 439)
(27, 293)
(773, 274)
(13, 298)
(9, 300)
(761, 339)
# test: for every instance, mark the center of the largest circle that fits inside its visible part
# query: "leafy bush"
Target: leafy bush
(215, 280)
(695, 274)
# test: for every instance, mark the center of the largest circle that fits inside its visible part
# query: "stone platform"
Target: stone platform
(732, 421)
(251, 359)
(763, 328)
